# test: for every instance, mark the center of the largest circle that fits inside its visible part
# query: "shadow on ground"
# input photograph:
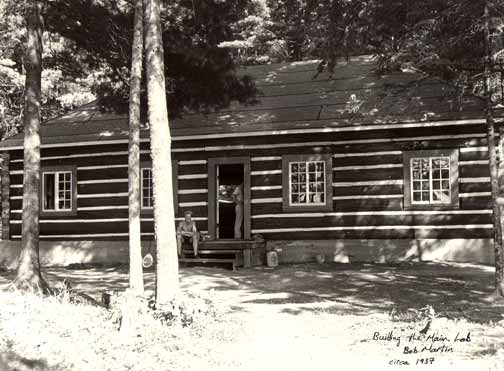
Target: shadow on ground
(453, 290)
(10, 360)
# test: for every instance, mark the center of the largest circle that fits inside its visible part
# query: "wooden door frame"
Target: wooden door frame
(212, 193)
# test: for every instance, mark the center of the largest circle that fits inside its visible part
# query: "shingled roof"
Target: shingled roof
(292, 96)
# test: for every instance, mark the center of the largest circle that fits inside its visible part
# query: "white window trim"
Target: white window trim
(431, 201)
(287, 205)
(307, 184)
(142, 206)
(56, 191)
(454, 201)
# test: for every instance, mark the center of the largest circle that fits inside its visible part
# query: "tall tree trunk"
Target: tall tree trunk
(28, 273)
(496, 208)
(494, 176)
(135, 249)
(167, 283)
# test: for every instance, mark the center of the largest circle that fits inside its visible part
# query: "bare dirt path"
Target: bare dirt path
(325, 317)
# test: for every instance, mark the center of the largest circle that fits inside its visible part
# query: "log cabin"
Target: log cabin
(350, 165)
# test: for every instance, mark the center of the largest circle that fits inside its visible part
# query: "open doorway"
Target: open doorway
(230, 201)
(229, 198)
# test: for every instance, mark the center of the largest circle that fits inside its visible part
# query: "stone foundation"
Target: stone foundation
(62, 253)
(382, 251)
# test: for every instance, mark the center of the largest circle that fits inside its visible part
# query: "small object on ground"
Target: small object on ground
(426, 328)
(258, 237)
(109, 299)
(272, 258)
(320, 258)
(147, 261)
(105, 298)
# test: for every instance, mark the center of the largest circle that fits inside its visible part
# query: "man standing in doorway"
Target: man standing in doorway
(238, 200)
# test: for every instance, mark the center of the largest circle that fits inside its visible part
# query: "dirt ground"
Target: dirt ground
(338, 316)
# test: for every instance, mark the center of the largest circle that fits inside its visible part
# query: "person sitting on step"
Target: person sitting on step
(187, 232)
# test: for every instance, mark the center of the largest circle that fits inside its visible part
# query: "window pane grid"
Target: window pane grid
(147, 194)
(307, 183)
(57, 188)
(430, 180)
(440, 178)
(64, 190)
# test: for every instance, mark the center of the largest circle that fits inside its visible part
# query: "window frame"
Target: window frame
(142, 206)
(452, 155)
(286, 183)
(57, 170)
(150, 210)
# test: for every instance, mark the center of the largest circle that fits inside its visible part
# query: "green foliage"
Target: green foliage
(190, 310)
(412, 314)
(64, 84)
(199, 75)
(87, 52)
(194, 309)
(440, 38)
(88, 46)
(293, 30)
(255, 37)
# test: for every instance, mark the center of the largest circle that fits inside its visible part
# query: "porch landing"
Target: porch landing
(246, 253)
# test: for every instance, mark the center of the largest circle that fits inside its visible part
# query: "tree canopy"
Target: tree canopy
(199, 74)
(88, 46)
(61, 89)
(442, 38)
(87, 55)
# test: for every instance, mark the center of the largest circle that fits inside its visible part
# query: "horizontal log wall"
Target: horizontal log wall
(102, 193)
(367, 184)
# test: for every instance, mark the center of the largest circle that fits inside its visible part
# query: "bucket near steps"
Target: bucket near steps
(271, 259)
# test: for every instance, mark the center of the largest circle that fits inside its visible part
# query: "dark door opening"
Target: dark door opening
(230, 201)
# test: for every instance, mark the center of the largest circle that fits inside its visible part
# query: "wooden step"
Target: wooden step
(205, 260)
(227, 244)
(209, 260)
(205, 251)
(241, 250)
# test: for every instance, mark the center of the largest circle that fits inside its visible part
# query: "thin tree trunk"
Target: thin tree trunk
(167, 283)
(28, 273)
(496, 208)
(494, 176)
(135, 249)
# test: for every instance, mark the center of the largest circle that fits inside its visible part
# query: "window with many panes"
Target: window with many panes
(431, 178)
(58, 190)
(307, 182)
(147, 194)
